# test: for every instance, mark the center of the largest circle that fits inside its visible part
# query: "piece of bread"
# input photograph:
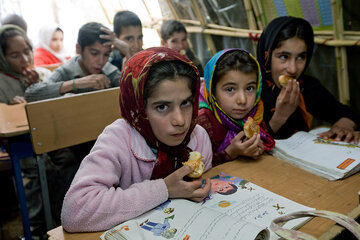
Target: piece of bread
(30, 67)
(284, 80)
(196, 163)
(250, 127)
(182, 52)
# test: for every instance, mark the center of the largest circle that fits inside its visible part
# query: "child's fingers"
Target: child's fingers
(105, 36)
(201, 192)
(104, 29)
(184, 170)
(250, 141)
(240, 135)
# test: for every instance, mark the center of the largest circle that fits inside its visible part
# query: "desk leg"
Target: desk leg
(44, 192)
(20, 149)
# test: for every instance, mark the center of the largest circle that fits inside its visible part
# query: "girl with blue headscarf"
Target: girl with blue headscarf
(230, 95)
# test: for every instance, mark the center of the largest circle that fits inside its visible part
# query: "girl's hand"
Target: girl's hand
(31, 76)
(286, 104)
(17, 100)
(178, 188)
(343, 129)
(252, 147)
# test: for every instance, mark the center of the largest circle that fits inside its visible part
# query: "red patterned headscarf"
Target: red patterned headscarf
(132, 83)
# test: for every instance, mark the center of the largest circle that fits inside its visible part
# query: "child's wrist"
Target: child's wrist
(230, 153)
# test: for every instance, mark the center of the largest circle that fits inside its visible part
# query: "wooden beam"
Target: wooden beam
(172, 9)
(208, 38)
(105, 12)
(151, 17)
(251, 20)
(340, 52)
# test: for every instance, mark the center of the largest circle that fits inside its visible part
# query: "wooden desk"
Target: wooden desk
(14, 128)
(13, 121)
(284, 179)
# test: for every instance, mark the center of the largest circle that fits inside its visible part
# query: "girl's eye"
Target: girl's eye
(283, 57)
(186, 103)
(229, 89)
(14, 55)
(250, 88)
(302, 57)
(161, 108)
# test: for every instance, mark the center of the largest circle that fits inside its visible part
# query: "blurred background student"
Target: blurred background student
(16, 65)
(50, 50)
(15, 20)
(174, 36)
(128, 37)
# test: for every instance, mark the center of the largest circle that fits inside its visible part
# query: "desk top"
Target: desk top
(284, 179)
(13, 121)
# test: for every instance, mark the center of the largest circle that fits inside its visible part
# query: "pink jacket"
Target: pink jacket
(112, 184)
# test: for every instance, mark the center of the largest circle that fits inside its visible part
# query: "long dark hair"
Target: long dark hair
(295, 29)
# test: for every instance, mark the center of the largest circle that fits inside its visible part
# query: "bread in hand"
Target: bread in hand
(250, 127)
(284, 80)
(196, 163)
(182, 52)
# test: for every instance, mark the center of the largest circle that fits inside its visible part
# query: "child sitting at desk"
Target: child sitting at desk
(136, 163)
(127, 38)
(88, 71)
(16, 70)
(285, 48)
(50, 50)
(174, 35)
(230, 95)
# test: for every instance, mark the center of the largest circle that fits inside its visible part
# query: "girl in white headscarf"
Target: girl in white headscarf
(50, 50)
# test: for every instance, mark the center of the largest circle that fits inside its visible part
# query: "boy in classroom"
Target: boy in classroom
(230, 95)
(15, 20)
(127, 38)
(88, 71)
(136, 163)
(174, 35)
(285, 48)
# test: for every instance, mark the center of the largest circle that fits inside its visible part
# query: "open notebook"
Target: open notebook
(326, 158)
(237, 210)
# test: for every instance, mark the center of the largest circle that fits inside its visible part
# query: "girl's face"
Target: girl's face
(18, 54)
(235, 93)
(289, 59)
(169, 110)
(56, 42)
(177, 41)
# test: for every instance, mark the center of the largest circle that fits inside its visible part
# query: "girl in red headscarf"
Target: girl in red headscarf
(136, 163)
